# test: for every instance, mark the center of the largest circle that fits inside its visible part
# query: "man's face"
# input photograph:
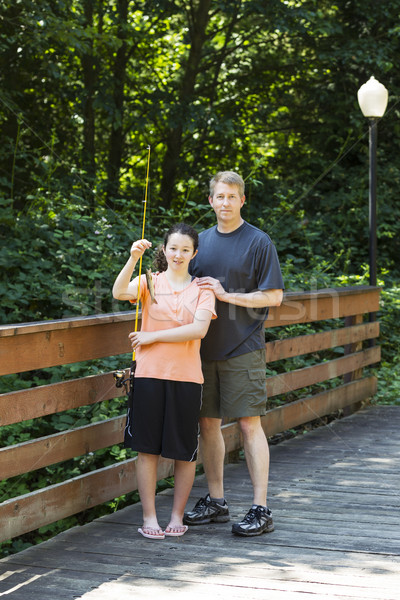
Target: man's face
(227, 203)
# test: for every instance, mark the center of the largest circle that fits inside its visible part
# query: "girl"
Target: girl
(168, 379)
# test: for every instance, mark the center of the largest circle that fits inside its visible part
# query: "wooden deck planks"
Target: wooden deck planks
(335, 498)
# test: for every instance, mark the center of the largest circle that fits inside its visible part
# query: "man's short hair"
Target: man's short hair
(228, 177)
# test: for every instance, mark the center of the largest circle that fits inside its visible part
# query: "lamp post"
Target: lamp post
(372, 98)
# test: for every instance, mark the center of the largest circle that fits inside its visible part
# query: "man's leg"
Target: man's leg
(212, 508)
(257, 456)
(213, 453)
(258, 519)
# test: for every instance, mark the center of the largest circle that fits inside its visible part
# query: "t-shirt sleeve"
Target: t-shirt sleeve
(207, 302)
(143, 290)
(269, 276)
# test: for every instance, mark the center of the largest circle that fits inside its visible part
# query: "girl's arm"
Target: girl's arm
(184, 333)
(124, 288)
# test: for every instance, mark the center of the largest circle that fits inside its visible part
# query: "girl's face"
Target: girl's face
(179, 251)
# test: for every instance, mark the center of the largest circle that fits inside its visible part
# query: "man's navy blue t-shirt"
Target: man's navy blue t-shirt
(244, 260)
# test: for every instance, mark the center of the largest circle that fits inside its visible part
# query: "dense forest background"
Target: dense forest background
(267, 88)
(264, 87)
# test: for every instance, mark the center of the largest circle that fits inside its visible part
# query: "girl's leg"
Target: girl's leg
(184, 477)
(146, 470)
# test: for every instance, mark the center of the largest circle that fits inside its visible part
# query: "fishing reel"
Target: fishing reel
(119, 378)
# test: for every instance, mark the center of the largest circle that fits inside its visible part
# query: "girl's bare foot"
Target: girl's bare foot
(176, 530)
(154, 533)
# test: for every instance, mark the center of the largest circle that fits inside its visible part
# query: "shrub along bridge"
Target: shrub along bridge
(340, 328)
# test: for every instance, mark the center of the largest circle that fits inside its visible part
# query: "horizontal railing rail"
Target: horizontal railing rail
(34, 346)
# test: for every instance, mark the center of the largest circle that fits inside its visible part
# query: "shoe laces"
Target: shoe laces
(251, 515)
(201, 503)
(254, 513)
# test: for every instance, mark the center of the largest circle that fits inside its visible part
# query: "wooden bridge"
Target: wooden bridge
(308, 540)
(335, 496)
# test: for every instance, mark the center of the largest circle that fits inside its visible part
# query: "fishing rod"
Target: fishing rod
(119, 375)
(140, 260)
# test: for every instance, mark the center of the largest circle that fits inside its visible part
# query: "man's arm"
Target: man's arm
(256, 299)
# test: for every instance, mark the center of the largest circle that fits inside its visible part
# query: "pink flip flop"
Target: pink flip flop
(154, 535)
(177, 533)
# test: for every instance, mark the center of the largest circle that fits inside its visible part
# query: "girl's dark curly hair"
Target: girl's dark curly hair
(160, 262)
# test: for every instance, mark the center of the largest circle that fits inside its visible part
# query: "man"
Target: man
(240, 264)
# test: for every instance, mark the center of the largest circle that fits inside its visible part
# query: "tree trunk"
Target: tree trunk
(214, 81)
(197, 31)
(89, 81)
(12, 87)
(117, 132)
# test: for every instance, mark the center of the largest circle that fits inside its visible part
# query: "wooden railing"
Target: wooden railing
(34, 346)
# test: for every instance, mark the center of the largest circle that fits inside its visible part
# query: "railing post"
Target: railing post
(349, 349)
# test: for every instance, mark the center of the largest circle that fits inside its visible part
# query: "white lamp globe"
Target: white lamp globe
(372, 98)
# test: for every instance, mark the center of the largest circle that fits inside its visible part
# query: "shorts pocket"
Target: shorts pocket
(256, 374)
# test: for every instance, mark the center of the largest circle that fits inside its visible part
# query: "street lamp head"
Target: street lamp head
(372, 98)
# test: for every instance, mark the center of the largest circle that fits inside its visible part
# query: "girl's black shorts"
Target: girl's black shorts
(163, 418)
